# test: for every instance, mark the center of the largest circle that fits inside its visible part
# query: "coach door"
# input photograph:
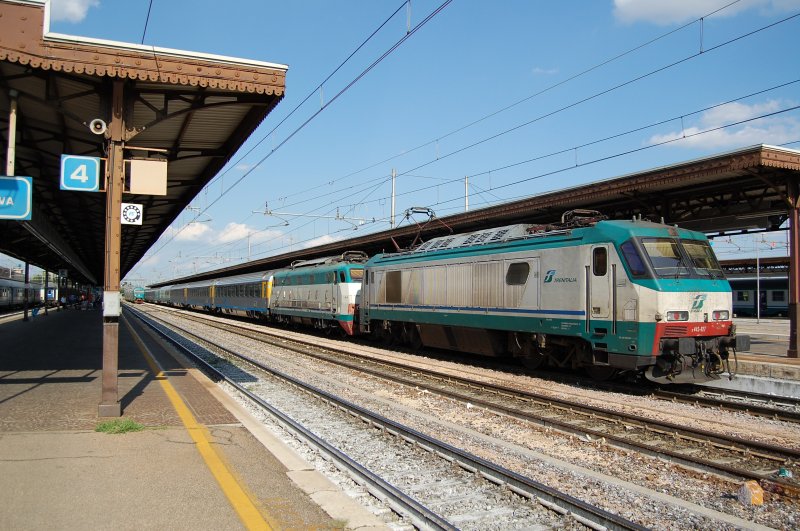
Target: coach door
(600, 284)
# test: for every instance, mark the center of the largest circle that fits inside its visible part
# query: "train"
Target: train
(12, 294)
(610, 297)
(773, 298)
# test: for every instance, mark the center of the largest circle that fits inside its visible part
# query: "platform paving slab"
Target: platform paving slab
(57, 473)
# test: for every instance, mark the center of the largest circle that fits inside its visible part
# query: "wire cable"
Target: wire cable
(528, 98)
(147, 20)
(308, 96)
(574, 104)
(317, 113)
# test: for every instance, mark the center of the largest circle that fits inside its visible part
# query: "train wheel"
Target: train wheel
(414, 339)
(601, 373)
(533, 361)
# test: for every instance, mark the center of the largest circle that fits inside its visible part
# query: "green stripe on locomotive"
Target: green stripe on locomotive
(314, 275)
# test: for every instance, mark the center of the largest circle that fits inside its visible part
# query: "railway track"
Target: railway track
(784, 409)
(417, 479)
(729, 456)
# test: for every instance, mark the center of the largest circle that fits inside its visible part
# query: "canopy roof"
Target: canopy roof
(191, 109)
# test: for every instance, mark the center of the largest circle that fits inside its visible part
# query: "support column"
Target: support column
(794, 255)
(46, 288)
(115, 180)
(25, 292)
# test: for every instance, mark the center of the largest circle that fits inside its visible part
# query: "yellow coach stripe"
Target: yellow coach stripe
(238, 498)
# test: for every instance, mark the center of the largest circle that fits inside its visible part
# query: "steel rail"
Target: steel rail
(549, 497)
(771, 412)
(401, 503)
(704, 437)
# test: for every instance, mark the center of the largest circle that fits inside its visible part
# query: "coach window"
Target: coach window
(517, 273)
(341, 276)
(600, 261)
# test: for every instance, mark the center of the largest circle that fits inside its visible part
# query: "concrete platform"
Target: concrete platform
(58, 473)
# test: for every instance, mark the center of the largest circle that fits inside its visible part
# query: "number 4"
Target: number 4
(80, 174)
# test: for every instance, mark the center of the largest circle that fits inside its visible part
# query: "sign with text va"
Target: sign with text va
(16, 197)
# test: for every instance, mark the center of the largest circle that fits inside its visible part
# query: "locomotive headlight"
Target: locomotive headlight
(678, 316)
(720, 315)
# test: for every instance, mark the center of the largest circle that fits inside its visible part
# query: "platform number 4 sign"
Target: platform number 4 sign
(80, 174)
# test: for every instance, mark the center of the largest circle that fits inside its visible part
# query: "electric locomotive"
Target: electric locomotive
(321, 293)
(607, 296)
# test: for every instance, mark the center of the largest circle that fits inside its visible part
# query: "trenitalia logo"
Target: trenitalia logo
(550, 276)
(697, 303)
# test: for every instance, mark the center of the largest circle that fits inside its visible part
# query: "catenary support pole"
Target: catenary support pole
(391, 219)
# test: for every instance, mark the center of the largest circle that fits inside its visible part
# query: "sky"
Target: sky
(520, 96)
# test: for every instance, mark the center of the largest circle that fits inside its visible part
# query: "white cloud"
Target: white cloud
(538, 71)
(150, 261)
(771, 130)
(239, 232)
(322, 240)
(677, 11)
(71, 10)
(191, 232)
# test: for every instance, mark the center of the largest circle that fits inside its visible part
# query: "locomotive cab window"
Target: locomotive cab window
(517, 273)
(633, 259)
(666, 257)
(703, 258)
(599, 261)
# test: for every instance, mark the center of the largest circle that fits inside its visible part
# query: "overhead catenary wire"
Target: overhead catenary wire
(586, 144)
(576, 103)
(608, 157)
(147, 20)
(317, 113)
(605, 158)
(583, 145)
(572, 105)
(527, 98)
(310, 94)
(636, 150)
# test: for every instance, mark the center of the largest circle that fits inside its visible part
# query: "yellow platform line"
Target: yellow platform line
(248, 513)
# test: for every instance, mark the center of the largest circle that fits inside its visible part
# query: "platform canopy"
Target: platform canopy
(747, 190)
(192, 110)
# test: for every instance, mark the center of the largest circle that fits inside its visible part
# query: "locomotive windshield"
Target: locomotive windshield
(702, 257)
(672, 258)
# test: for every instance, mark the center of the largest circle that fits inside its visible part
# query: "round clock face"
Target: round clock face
(131, 214)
